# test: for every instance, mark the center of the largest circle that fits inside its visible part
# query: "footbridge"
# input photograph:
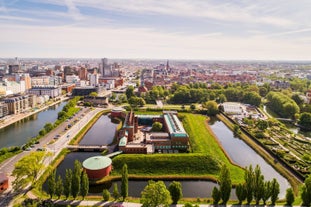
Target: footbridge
(87, 148)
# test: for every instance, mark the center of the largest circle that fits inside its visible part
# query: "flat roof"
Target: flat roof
(96, 162)
(122, 142)
(174, 126)
(150, 116)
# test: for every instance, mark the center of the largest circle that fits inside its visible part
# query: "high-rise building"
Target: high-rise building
(83, 74)
(105, 68)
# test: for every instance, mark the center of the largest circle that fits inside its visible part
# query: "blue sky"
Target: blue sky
(174, 29)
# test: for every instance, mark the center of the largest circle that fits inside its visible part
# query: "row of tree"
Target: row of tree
(282, 104)
(76, 183)
(253, 188)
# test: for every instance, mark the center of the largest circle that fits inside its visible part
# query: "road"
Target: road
(50, 144)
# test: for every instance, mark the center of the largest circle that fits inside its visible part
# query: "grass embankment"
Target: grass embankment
(203, 141)
(276, 165)
(85, 129)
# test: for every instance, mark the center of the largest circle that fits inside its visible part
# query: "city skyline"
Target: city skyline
(215, 30)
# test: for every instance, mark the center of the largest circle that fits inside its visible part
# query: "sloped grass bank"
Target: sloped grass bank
(166, 164)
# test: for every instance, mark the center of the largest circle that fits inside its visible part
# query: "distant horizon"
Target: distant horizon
(184, 29)
(159, 59)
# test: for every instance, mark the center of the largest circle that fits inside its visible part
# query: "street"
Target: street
(65, 135)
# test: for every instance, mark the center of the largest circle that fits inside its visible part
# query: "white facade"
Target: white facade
(72, 79)
(234, 108)
(93, 78)
(40, 81)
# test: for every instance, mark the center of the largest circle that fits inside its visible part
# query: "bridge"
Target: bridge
(114, 154)
(87, 148)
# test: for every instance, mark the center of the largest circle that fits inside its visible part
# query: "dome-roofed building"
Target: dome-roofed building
(97, 167)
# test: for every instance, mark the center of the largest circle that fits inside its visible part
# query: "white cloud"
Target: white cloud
(218, 10)
(142, 43)
(73, 10)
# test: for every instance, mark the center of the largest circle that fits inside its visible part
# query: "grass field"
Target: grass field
(205, 159)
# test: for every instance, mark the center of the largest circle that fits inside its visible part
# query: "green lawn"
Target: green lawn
(202, 141)
(204, 160)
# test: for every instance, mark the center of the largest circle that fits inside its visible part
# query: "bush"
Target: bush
(106, 195)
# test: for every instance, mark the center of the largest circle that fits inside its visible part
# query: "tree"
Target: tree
(263, 91)
(61, 115)
(129, 92)
(93, 94)
(84, 184)
(225, 184)
(52, 183)
(211, 108)
(155, 194)
(76, 179)
(67, 183)
(258, 183)
(42, 132)
(175, 191)
(124, 182)
(240, 193)
(221, 98)
(192, 107)
(252, 98)
(136, 101)
(115, 192)
(216, 195)
(306, 192)
(275, 190)
(267, 192)
(59, 187)
(236, 130)
(190, 205)
(248, 177)
(290, 197)
(106, 195)
(297, 99)
(262, 124)
(48, 127)
(156, 127)
(305, 120)
(27, 170)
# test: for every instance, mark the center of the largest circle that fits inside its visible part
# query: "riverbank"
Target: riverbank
(17, 117)
(295, 182)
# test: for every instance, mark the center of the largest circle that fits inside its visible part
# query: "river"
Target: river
(21, 131)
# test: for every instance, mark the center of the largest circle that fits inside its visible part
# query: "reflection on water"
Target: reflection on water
(192, 189)
(244, 155)
(20, 132)
(101, 133)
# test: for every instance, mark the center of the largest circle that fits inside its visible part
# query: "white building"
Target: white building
(234, 108)
(93, 78)
(72, 79)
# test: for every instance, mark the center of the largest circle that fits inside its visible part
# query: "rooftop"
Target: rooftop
(96, 162)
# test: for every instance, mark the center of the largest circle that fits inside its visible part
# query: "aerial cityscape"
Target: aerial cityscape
(154, 103)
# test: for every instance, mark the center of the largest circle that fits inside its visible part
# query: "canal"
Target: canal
(192, 189)
(238, 151)
(20, 132)
(243, 155)
(101, 133)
